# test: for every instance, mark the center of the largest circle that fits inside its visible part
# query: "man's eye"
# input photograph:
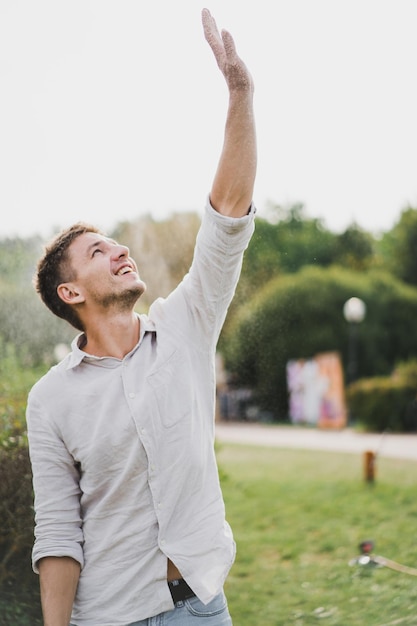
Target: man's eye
(95, 251)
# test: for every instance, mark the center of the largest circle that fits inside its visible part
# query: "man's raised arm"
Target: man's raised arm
(232, 188)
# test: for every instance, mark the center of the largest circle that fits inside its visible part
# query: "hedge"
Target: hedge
(19, 586)
(386, 402)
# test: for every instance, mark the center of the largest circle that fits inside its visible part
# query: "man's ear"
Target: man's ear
(69, 293)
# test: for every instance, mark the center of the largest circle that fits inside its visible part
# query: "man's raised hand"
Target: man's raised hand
(231, 65)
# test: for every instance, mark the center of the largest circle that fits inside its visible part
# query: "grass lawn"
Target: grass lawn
(298, 518)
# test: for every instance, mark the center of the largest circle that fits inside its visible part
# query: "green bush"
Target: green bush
(301, 315)
(386, 403)
(19, 594)
(407, 371)
(16, 379)
(383, 403)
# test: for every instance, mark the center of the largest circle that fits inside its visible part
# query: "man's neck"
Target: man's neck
(113, 336)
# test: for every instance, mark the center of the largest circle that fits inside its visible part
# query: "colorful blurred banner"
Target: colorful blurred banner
(316, 391)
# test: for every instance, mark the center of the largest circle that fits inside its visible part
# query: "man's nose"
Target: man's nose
(120, 251)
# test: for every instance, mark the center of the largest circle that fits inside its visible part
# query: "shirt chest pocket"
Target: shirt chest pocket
(171, 384)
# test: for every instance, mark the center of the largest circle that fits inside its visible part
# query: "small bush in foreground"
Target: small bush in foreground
(386, 402)
(19, 595)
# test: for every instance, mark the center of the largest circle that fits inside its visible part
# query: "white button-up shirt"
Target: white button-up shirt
(122, 451)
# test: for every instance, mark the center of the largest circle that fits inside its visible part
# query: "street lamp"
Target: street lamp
(354, 311)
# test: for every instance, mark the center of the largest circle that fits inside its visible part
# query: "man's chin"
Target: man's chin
(138, 287)
(141, 289)
(134, 293)
(127, 299)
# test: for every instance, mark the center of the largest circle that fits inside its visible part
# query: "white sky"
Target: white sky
(110, 109)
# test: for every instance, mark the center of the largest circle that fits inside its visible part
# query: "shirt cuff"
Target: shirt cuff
(74, 552)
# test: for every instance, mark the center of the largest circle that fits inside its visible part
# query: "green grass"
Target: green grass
(298, 518)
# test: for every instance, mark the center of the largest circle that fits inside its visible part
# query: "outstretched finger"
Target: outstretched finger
(229, 45)
(212, 35)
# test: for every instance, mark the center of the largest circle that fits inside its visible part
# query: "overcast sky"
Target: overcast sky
(110, 109)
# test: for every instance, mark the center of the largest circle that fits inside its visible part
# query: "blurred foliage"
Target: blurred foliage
(283, 310)
(286, 240)
(16, 379)
(26, 324)
(18, 259)
(19, 586)
(407, 371)
(19, 591)
(385, 403)
(300, 315)
(398, 247)
(355, 249)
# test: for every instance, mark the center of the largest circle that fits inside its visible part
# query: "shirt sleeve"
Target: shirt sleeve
(199, 304)
(58, 524)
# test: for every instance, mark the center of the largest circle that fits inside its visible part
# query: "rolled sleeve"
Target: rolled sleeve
(204, 295)
(216, 266)
(231, 224)
(58, 524)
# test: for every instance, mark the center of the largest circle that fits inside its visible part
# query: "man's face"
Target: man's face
(105, 273)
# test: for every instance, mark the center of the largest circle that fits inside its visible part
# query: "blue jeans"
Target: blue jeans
(192, 612)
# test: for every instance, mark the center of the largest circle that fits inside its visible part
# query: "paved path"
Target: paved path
(347, 440)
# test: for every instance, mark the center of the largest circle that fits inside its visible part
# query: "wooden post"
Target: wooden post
(369, 466)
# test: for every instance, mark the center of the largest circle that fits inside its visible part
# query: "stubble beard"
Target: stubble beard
(124, 301)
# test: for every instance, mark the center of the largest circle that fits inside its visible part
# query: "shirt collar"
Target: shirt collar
(78, 355)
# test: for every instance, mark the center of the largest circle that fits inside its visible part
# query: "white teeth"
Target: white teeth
(124, 270)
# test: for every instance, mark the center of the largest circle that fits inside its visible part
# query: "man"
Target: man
(130, 521)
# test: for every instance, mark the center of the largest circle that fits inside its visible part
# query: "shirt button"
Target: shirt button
(163, 542)
(131, 395)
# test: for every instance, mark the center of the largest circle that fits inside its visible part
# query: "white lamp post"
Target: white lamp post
(354, 311)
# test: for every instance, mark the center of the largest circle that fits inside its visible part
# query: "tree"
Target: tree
(399, 245)
(287, 240)
(355, 248)
(18, 259)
